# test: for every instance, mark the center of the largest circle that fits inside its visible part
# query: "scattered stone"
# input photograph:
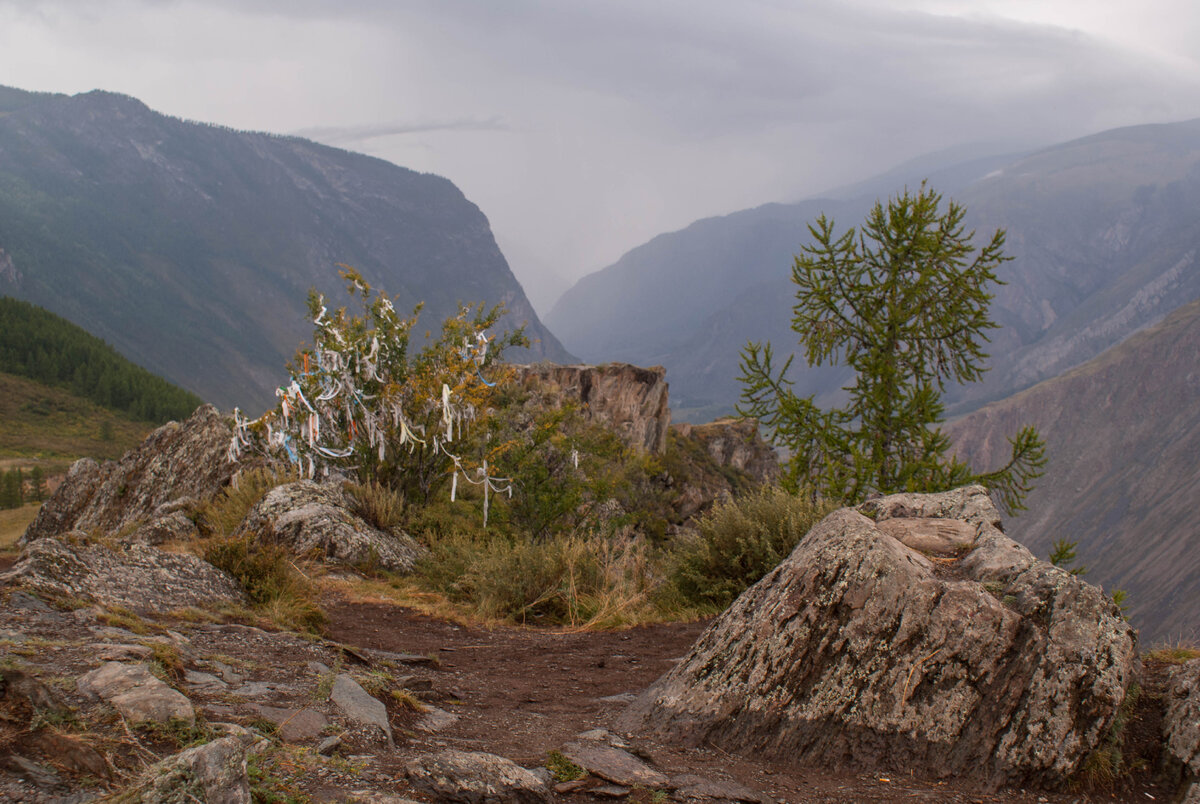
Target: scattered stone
(203, 682)
(614, 764)
(320, 668)
(295, 725)
(175, 462)
(18, 685)
(140, 577)
(70, 752)
(860, 652)
(434, 719)
(121, 652)
(689, 787)
(226, 672)
(359, 706)
(263, 689)
(318, 519)
(214, 773)
(619, 698)
(329, 745)
(474, 777)
(136, 693)
(37, 774)
(27, 602)
(1181, 726)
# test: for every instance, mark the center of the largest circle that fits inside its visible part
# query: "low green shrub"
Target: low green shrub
(737, 543)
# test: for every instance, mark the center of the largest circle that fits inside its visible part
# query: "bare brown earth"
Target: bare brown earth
(517, 692)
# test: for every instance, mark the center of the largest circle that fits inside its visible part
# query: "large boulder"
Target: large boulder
(629, 400)
(138, 577)
(187, 460)
(966, 657)
(1181, 727)
(313, 519)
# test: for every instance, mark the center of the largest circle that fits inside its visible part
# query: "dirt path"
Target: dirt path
(521, 693)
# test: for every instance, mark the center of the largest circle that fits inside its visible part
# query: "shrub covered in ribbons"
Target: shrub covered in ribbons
(362, 400)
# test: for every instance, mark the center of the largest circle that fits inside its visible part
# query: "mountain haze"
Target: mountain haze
(1103, 232)
(191, 248)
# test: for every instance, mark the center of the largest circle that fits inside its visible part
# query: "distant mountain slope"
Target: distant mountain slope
(191, 248)
(1104, 232)
(1123, 436)
(37, 344)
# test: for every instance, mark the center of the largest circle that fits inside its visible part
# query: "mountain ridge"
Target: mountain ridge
(191, 247)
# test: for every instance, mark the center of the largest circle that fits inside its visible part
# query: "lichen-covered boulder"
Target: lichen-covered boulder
(473, 777)
(138, 577)
(1181, 726)
(311, 519)
(178, 460)
(971, 658)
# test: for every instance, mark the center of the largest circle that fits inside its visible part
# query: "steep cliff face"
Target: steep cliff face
(191, 248)
(630, 400)
(1122, 434)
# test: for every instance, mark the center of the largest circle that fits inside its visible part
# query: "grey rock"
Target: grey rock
(140, 577)
(203, 682)
(34, 772)
(214, 773)
(136, 693)
(474, 777)
(107, 652)
(329, 745)
(314, 519)
(227, 672)
(614, 764)
(295, 725)
(174, 527)
(629, 400)
(1181, 723)
(857, 652)
(689, 787)
(176, 461)
(434, 719)
(359, 706)
(26, 602)
(18, 685)
(610, 791)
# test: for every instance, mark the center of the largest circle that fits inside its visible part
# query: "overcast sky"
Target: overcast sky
(582, 129)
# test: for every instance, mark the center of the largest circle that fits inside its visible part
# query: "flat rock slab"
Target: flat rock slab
(136, 693)
(689, 787)
(473, 777)
(295, 725)
(614, 764)
(435, 719)
(359, 706)
(943, 537)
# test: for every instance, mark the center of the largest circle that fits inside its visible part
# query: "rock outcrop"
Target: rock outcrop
(313, 519)
(734, 444)
(139, 577)
(176, 461)
(630, 400)
(1181, 727)
(970, 659)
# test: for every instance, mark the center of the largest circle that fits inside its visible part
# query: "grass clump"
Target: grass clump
(563, 769)
(1178, 653)
(222, 515)
(589, 581)
(275, 587)
(377, 503)
(737, 543)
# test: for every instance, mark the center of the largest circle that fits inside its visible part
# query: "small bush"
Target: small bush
(275, 587)
(739, 542)
(379, 504)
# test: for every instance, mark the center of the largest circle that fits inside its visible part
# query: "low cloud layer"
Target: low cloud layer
(583, 129)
